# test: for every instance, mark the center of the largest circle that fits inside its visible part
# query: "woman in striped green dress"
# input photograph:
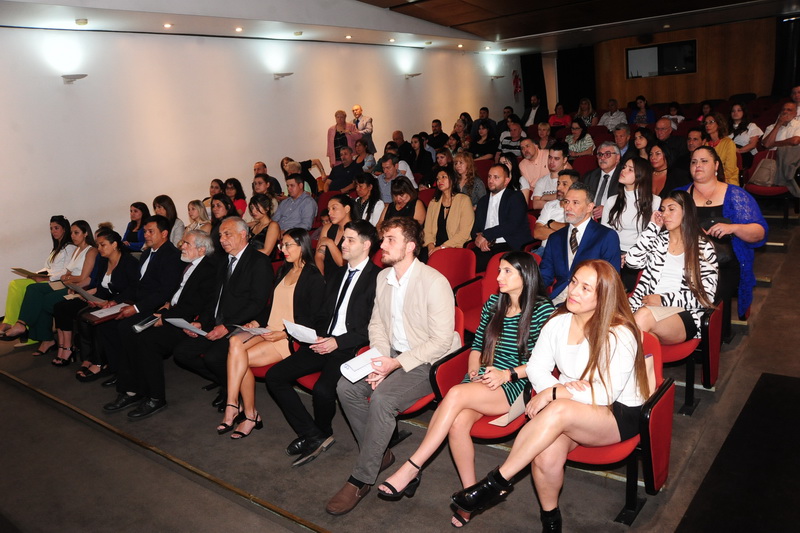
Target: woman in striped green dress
(495, 379)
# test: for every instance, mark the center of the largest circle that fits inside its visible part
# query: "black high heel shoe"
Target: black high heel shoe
(22, 337)
(223, 427)
(58, 361)
(480, 495)
(409, 491)
(237, 435)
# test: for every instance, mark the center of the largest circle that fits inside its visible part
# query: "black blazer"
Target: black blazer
(246, 295)
(541, 114)
(160, 280)
(513, 217)
(592, 181)
(359, 308)
(308, 294)
(124, 278)
(197, 292)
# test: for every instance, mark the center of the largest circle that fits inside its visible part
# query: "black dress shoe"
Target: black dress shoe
(148, 407)
(220, 400)
(484, 492)
(122, 401)
(313, 448)
(110, 382)
(296, 447)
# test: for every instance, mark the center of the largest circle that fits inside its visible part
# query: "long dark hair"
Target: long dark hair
(345, 201)
(228, 203)
(86, 229)
(113, 238)
(643, 185)
(301, 237)
(692, 234)
(169, 206)
(715, 156)
(451, 175)
(374, 193)
(263, 201)
(612, 310)
(514, 171)
(744, 123)
(65, 238)
(533, 293)
(141, 206)
(237, 185)
(584, 129)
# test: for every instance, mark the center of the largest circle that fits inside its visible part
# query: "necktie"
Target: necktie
(601, 191)
(573, 240)
(340, 301)
(230, 268)
(220, 318)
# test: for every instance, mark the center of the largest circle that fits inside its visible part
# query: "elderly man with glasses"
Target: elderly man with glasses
(604, 181)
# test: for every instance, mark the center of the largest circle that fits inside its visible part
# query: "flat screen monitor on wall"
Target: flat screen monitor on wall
(662, 60)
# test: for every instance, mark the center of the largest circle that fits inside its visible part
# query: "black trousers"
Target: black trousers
(482, 258)
(280, 383)
(207, 358)
(143, 369)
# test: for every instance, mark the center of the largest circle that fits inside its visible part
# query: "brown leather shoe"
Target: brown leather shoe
(346, 499)
(387, 461)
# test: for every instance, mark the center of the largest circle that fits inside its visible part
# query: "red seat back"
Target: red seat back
(456, 264)
(584, 164)
(426, 195)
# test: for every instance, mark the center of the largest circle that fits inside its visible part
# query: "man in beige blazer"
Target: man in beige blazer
(412, 326)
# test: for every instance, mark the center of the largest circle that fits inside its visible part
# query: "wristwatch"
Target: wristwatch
(514, 376)
(548, 223)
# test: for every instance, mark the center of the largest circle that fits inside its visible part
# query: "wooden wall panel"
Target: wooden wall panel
(731, 58)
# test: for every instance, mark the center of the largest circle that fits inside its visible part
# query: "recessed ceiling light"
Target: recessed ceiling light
(461, 46)
(348, 36)
(81, 22)
(667, 26)
(167, 25)
(391, 40)
(487, 47)
(239, 29)
(298, 33)
(504, 49)
(428, 42)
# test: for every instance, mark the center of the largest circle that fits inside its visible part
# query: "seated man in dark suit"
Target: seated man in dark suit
(664, 133)
(603, 181)
(582, 238)
(241, 294)
(160, 272)
(141, 369)
(501, 219)
(341, 324)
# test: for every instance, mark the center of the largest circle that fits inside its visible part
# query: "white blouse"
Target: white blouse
(552, 350)
(56, 266)
(630, 228)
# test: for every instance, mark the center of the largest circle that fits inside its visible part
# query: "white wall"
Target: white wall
(166, 114)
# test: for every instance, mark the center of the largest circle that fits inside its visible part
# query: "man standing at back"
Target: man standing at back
(364, 125)
(412, 326)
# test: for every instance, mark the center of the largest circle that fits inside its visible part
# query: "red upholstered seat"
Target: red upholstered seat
(426, 195)
(471, 297)
(456, 264)
(584, 164)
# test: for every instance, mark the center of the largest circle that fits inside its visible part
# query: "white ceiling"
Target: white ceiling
(333, 20)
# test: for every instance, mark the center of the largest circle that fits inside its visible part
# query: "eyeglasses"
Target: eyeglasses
(286, 245)
(710, 122)
(605, 155)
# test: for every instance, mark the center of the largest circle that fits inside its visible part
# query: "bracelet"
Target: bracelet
(554, 393)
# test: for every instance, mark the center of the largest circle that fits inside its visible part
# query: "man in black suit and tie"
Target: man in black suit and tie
(501, 219)
(141, 369)
(341, 324)
(241, 294)
(603, 182)
(159, 275)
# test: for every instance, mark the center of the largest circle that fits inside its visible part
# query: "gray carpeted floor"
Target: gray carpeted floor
(63, 472)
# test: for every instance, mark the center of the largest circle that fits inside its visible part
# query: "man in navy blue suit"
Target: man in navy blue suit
(581, 239)
(501, 219)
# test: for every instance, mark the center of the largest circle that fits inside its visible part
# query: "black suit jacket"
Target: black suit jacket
(197, 292)
(309, 294)
(592, 181)
(124, 278)
(541, 115)
(513, 220)
(160, 280)
(677, 147)
(359, 307)
(246, 295)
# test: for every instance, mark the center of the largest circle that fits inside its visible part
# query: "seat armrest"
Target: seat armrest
(468, 295)
(655, 428)
(449, 371)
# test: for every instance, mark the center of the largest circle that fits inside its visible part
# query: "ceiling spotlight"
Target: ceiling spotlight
(504, 49)
(279, 75)
(428, 42)
(69, 79)
(391, 40)
(298, 33)
(239, 29)
(167, 25)
(348, 36)
(667, 26)
(414, 75)
(461, 46)
(81, 22)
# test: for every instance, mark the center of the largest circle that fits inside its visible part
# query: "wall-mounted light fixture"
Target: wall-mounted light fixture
(69, 79)
(279, 75)
(496, 77)
(414, 75)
